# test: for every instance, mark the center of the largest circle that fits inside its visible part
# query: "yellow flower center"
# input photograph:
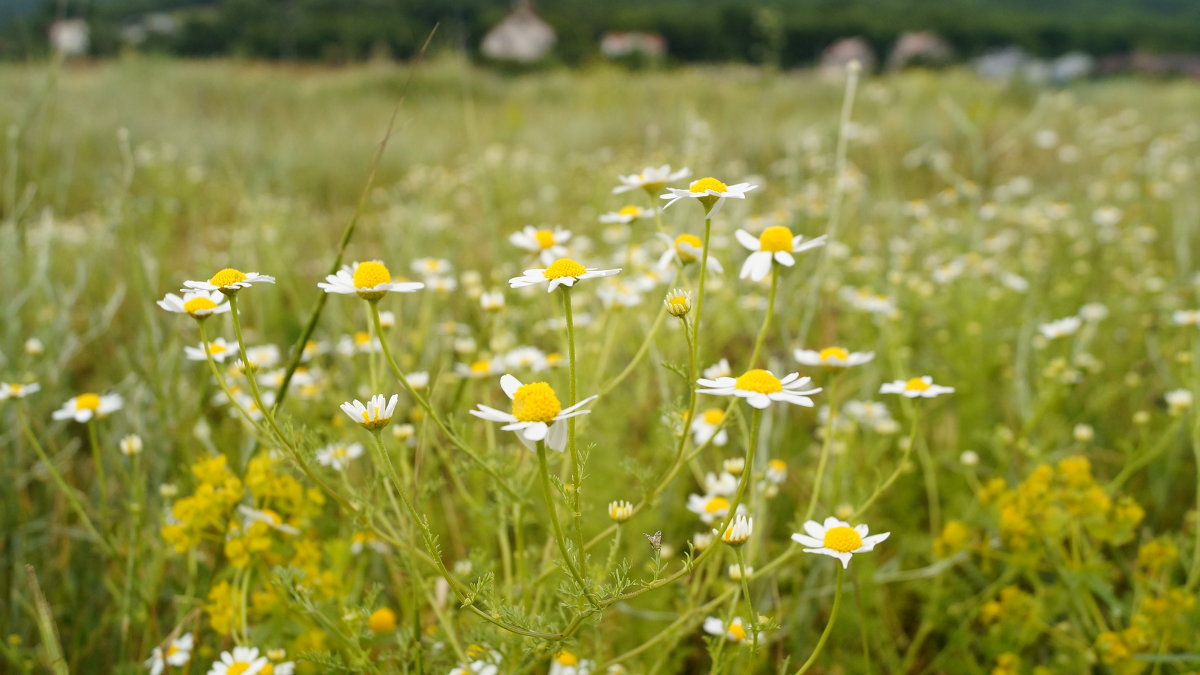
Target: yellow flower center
(371, 274)
(87, 402)
(634, 211)
(775, 239)
(842, 539)
(172, 650)
(227, 277)
(563, 267)
(830, 353)
(362, 337)
(714, 416)
(15, 389)
(544, 238)
(716, 504)
(237, 668)
(737, 631)
(535, 402)
(339, 452)
(481, 367)
(777, 465)
(680, 302)
(916, 384)
(198, 304)
(760, 381)
(474, 651)
(692, 241)
(214, 348)
(566, 658)
(710, 183)
(267, 669)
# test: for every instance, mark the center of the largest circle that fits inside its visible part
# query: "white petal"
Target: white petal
(510, 385)
(746, 239)
(784, 258)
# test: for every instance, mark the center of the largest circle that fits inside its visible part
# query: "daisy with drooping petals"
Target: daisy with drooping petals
(370, 280)
(832, 357)
(706, 426)
(373, 416)
(685, 249)
(625, 215)
(84, 407)
(759, 387)
(651, 179)
(196, 304)
(711, 192)
(547, 244)
(228, 281)
(218, 349)
(339, 455)
(535, 410)
(241, 661)
(561, 272)
(835, 538)
(917, 387)
(735, 632)
(775, 244)
(14, 390)
(178, 653)
(738, 532)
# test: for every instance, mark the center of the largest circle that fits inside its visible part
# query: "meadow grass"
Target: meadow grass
(1043, 516)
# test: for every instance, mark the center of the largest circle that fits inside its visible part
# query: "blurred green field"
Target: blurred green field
(968, 215)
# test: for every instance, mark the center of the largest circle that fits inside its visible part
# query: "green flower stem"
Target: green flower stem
(552, 512)
(766, 326)
(741, 560)
(212, 365)
(98, 461)
(437, 419)
(818, 479)
(572, 443)
(883, 487)
(698, 311)
(837, 601)
(1193, 576)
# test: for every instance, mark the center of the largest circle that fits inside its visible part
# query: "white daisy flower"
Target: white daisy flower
(871, 414)
(710, 508)
(620, 511)
(241, 661)
(535, 410)
(1186, 317)
(15, 390)
(1094, 311)
(1178, 400)
(619, 294)
(625, 215)
(759, 387)
(917, 387)
(651, 179)
(777, 471)
(228, 281)
(219, 349)
(725, 484)
(549, 245)
(683, 250)
(711, 192)
(478, 369)
(432, 267)
(197, 304)
(775, 244)
(1060, 327)
(266, 517)
(566, 663)
(178, 653)
(491, 301)
(735, 632)
(705, 427)
(719, 369)
(832, 357)
(84, 407)
(526, 358)
(339, 455)
(738, 532)
(131, 444)
(359, 343)
(34, 347)
(837, 539)
(370, 280)
(561, 272)
(262, 356)
(442, 284)
(375, 414)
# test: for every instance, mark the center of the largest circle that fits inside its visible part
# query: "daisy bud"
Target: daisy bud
(735, 465)
(738, 532)
(168, 490)
(492, 302)
(620, 511)
(969, 458)
(1083, 433)
(702, 540)
(678, 302)
(34, 347)
(131, 445)
(737, 572)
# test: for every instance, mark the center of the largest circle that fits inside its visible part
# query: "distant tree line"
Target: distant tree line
(780, 32)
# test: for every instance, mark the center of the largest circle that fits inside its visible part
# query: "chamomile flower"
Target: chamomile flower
(738, 532)
(678, 302)
(625, 215)
(241, 661)
(775, 244)
(483, 662)
(620, 511)
(651, 179)
(131, 444)
(491, 301)
(359, 343)
(710, 507)
(526, 358)
(478, 369)
(684, 250)
(917, 387)
(711, 192)
(1186, 317)
(218, 349)
(84, 407)
(760, 388)
(535, 413)
(832, 357)
(777, 471)
(549, 245)
(370, 280)
(1060, 327)
(561, 272)
(178, 653)
(228, 281)
(706, 427)
(15, 390)
(432, 267)
(837, 539)
(277, 664)
(724, 484)
(567, 663)
(338, 456)
(196, 304)
(373, 416)
(717, 370)
(735, 631)
(266, 517)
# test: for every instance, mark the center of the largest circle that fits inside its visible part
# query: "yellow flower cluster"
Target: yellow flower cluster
(1159, 623)
(1057, 502)
(955, 537)
(206, 511)
(220, 607)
